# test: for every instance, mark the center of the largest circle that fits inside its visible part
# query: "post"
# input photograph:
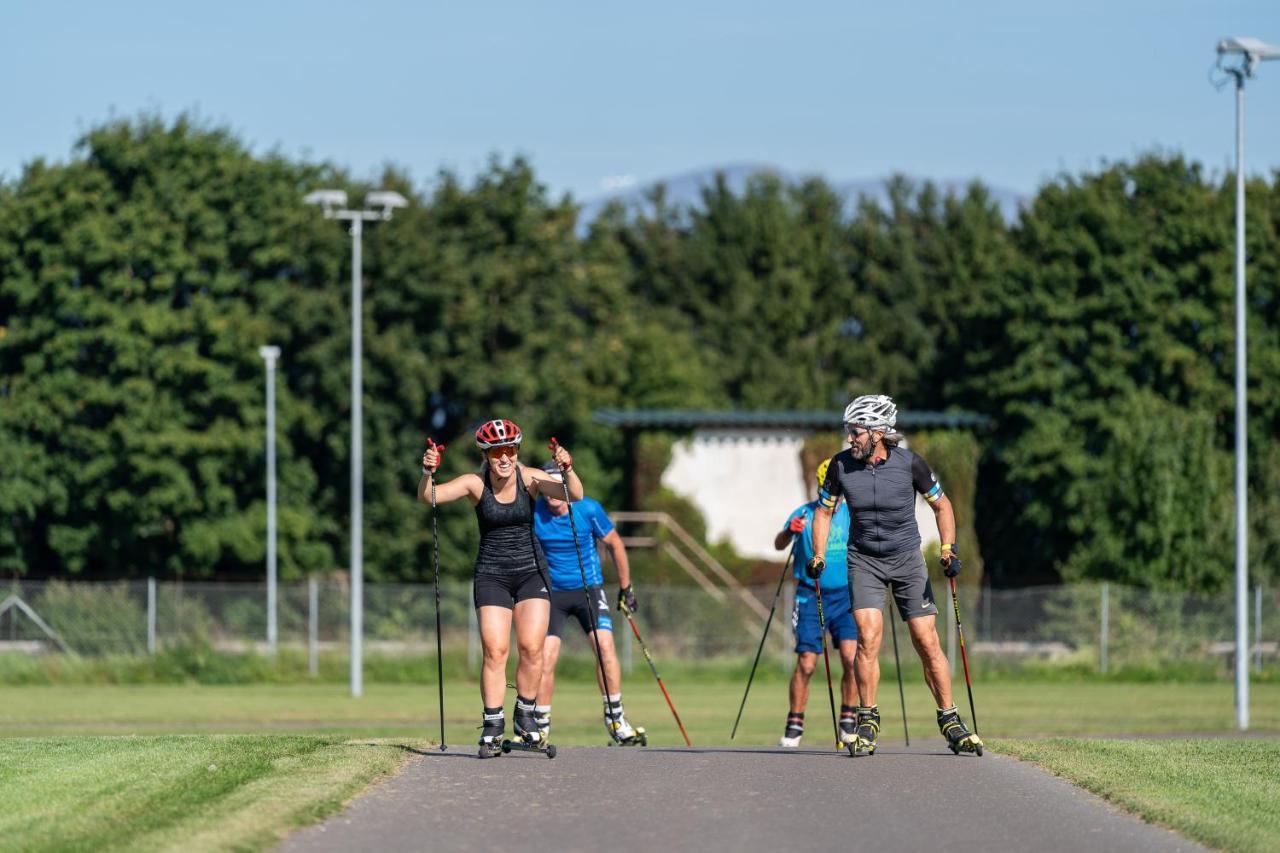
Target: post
(151, 616)
(1242, 423)
(269, 355)
(1257, 628)
(313, 626)
(1104, 631)
(357, 476)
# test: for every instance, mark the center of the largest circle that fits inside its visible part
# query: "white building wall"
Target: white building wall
(745, 482)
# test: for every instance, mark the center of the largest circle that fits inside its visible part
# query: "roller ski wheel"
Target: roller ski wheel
(867, 732)
(492, 750)
(959, 738)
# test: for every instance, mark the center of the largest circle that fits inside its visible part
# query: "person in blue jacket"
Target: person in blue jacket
(551, 526)
(797, 534)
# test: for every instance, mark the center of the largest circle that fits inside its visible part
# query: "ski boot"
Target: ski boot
(543, 716)
(495, 723)
(848, 724)
(622, 733)
(866, 732)
(794, 731)
(525, 723)
(959, 738)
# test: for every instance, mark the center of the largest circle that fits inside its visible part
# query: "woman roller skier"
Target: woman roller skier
(510, 570)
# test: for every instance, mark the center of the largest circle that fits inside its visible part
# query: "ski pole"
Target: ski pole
(586, 592)
(955, 604)
(777, 592)
(435, 545)
(897, 664)
(654, 669)
(826, 658)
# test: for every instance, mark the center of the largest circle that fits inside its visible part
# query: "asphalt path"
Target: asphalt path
(614, 800)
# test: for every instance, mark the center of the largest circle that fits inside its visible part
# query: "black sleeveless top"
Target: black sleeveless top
(507, 544)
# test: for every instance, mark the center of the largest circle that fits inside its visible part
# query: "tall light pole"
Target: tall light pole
(1252, 51)
(377, 205)
(270, 355)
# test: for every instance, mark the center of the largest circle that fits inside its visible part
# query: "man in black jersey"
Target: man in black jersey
(879, 481)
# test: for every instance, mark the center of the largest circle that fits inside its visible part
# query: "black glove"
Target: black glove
(815, 567)
(951, 567)
(627, 600)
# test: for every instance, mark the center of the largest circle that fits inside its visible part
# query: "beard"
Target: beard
(860, 454)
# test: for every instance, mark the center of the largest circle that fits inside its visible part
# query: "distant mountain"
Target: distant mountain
(685, 190)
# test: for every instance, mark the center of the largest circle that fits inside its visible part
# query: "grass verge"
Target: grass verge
(188, 792)
(1220, 792)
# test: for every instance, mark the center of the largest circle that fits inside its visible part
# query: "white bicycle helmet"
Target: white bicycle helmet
(874, 411)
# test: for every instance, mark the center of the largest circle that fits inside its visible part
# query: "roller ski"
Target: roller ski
(528, 732)
(866, 732)
(959, 738)
(491, 733)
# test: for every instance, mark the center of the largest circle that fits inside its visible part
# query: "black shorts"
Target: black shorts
(571, 602)
(508, 590)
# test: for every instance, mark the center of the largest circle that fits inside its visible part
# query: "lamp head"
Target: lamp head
(388, 200)
(327, 199)
(1253, 50)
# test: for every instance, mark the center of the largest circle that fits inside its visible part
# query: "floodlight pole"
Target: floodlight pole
(1242, 434)
(270, 355)
(1252, 51)
(357, 218)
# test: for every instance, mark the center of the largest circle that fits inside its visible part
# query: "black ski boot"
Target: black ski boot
(495, 723)
(794, 730)
(525, 722)
(528, 732)
(959, 738)
(867, 731)
(848, 724)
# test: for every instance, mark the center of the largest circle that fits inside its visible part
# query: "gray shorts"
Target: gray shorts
(904, 572)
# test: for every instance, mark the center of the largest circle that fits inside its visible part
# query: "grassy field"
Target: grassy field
(216, 767)
(1005, 709)
(1221, 792)
(167, 792)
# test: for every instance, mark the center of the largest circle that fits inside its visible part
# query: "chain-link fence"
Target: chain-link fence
(1102, 627)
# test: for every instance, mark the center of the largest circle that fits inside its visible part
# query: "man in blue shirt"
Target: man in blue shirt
(555, 536)
(797, 534)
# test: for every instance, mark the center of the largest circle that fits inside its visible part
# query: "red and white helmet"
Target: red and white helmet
(498, 433)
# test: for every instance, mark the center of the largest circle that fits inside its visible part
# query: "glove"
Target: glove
(627, 600)
(797, 524)
(951, 567)
(815, 567)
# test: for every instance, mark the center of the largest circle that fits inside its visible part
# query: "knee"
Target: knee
(531, 653)
(806, 665)
(496, 655)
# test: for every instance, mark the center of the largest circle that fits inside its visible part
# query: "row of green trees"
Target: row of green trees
(140, 277)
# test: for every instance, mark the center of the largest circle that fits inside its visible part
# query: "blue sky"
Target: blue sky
(1010, 92)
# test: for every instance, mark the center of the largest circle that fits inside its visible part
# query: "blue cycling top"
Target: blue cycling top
(556, 537)
(837, 573)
